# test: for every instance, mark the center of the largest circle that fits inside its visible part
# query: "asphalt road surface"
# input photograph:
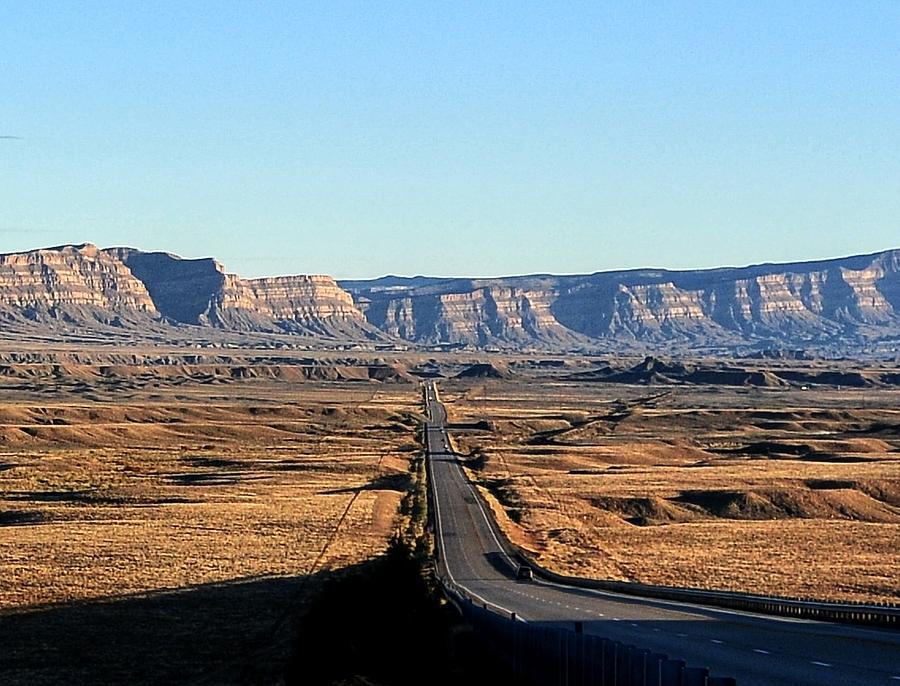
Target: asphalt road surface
(755, 649)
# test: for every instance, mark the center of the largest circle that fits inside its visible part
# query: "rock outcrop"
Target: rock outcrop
(290, 304)
(70, 284)
(182, 290)
(81, 289)
(851, 301)
(201, 292)
(837, 306)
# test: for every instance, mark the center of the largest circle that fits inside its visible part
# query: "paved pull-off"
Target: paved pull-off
(755, 649)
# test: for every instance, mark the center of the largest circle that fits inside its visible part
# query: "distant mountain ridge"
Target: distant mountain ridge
(844, 304)
(82, 287)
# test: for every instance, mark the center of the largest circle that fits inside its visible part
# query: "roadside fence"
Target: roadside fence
(545, 654)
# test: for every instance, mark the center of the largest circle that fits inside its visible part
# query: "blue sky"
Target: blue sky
(481, 138)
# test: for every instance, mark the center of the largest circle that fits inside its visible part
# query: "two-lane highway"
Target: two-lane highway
(757, 650)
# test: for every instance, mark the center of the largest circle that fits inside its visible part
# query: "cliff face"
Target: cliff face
(292, 304)
(181, 289)
(71, 283)
(846, 301)
(476, 313)
(200, 292)
(841, 305)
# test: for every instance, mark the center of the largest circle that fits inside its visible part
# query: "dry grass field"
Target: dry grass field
(769, 490)
(164, 515)
(166, 534)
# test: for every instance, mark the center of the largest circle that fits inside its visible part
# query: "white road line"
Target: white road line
(820, 664)
(716, 641)
(440, 537)
(761, 651)
(484, 514)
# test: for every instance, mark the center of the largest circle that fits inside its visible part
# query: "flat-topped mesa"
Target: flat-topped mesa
(293, 304)
(833, 302)
(838, 306)
(200, 292)
(181, 289)
(481, 314)
(71, 281)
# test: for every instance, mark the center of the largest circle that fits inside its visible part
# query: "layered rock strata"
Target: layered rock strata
(71, 283)
(201, 292)
(841, 305)
(846, 301)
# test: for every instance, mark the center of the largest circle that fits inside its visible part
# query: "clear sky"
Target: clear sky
(452, 138)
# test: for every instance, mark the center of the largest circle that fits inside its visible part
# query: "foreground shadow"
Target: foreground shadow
(214, 633)
(375, 622)
(388, 626)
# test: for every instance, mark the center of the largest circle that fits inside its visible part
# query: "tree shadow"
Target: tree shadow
(385, 624)
(380, 620)
(397, 481)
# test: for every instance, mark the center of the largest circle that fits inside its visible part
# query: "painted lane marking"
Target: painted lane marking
(820, 664)
(761, 651)
(716, 641)
(437, 507)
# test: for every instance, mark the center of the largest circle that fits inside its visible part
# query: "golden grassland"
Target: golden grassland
(197, 511)
(777, 491)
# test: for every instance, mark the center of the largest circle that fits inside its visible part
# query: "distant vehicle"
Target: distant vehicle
(524, 573)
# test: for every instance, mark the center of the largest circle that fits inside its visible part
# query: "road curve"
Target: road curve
(755, 649)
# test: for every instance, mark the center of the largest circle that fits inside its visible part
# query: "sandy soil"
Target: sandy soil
(780, 491)
(179, 526)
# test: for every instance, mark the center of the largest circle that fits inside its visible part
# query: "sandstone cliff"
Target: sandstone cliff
(200, 292)
(852, 301)
(70, 284)
(292, 304)
(842, 305)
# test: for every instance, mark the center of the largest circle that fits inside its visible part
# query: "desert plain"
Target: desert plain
(177, 511)
(785, 490)
(178, 518)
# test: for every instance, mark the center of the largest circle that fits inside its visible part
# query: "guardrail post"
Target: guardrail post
(575, 657)
(579, 670)
(563, 644)
(610, 662)
(548, 656)
(671, 671)
(694, 676)
(653, 669)
(520, 646)
(594, 661)
(623, 668)
(639, 667)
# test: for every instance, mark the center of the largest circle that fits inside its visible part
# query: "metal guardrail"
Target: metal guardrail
(849, 613)
(879, 615)
(549, 655)
(867, 614)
